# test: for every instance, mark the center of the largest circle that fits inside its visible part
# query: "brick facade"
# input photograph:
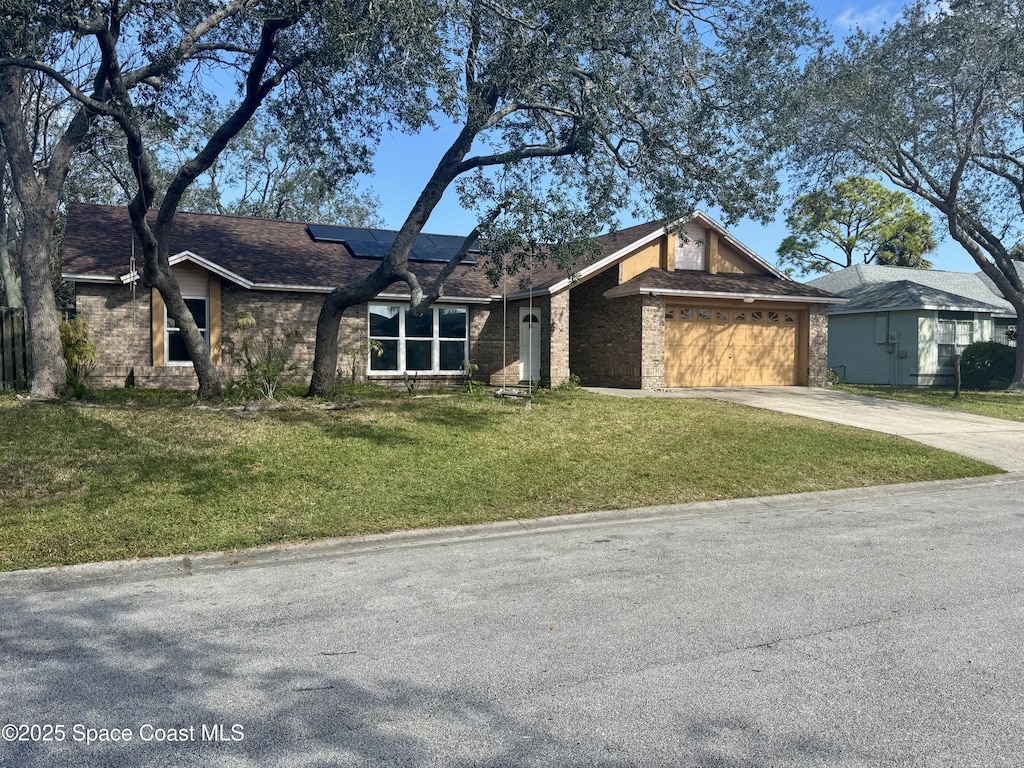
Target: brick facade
(120, 327)
(616, 342)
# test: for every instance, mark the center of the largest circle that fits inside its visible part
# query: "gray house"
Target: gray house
(903, 326)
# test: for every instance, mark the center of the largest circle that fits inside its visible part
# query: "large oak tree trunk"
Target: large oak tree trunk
(49, 373)
(325, 356)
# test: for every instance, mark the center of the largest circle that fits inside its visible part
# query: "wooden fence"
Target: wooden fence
(15, 359)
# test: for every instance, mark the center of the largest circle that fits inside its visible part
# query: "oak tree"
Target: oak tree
(935, 105)
(566, 112)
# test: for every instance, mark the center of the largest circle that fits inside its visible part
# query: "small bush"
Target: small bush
(573, 382)
(834, 378)
(987, 365)
(267, 358)
(79, 355)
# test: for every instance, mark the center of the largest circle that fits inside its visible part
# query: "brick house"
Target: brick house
(657, 308)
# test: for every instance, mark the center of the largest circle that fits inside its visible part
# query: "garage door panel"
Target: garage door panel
(730, 347)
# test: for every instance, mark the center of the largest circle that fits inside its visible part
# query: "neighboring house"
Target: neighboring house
(655, 309)
(904, 326)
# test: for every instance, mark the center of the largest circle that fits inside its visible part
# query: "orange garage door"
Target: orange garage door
(730, 347)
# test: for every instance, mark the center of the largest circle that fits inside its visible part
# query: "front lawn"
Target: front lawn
(998, 405)
(133, 480)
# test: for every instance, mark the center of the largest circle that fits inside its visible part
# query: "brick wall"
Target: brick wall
(120, 329)
(497, 353)
(555, 339)
(606, 335)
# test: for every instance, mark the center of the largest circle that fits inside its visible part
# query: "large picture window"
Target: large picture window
(435, 342)
(175, 342)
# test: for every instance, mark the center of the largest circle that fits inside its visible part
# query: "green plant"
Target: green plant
(833, 377)
(411, 382)
(267, 357)
(987, 365)
(79, 355)
(470, 385)
(573, 382)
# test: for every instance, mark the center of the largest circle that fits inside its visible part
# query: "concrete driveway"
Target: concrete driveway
(994, 441)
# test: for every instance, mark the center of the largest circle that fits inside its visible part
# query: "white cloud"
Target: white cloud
(869, 19)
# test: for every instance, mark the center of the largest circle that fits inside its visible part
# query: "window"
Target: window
(435, 342)
(174, 342)
(953, 336)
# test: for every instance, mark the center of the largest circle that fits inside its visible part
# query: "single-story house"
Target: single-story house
(658, 307)
(903, 326)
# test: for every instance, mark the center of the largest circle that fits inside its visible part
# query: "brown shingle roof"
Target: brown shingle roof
(98, 243)
(698, 283)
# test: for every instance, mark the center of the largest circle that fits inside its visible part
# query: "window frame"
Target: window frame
(949, 339)
(168, 330)
(435, 339)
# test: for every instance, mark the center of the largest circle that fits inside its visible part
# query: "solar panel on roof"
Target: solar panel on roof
(375, 243)
(368, 249)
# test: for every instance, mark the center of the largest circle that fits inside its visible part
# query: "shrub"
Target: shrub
(267, 357)
(987, 365)
(79, 354)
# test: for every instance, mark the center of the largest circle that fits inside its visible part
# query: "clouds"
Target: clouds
(868, 19)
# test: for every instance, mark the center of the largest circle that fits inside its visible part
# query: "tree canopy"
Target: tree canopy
(858, 220)
(334, 68)
(935, 104)
(568, 112)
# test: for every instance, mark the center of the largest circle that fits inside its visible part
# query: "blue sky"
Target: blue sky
(404, 163)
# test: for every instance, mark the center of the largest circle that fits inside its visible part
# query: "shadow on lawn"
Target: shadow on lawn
(110, 658)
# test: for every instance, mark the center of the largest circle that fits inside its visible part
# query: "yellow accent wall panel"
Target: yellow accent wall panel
(647, 257)
(157, 327)
(215, 319)
(729, 260)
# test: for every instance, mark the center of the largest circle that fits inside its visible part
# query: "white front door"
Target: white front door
(529, 344)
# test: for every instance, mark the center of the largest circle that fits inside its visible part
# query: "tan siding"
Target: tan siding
(215, 320)
(194, 281)
(157, 327)
(647, 257)
(729, 260)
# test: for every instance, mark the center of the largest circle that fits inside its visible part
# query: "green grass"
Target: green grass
(998, 405)
(84, 484)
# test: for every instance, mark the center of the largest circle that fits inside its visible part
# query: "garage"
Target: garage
(726, 345)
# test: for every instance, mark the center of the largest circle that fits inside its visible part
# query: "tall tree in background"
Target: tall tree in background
(858, 220)
(936, 104)
(74, 52)
(566, 110)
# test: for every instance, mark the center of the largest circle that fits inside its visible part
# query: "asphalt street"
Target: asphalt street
(872, 627)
